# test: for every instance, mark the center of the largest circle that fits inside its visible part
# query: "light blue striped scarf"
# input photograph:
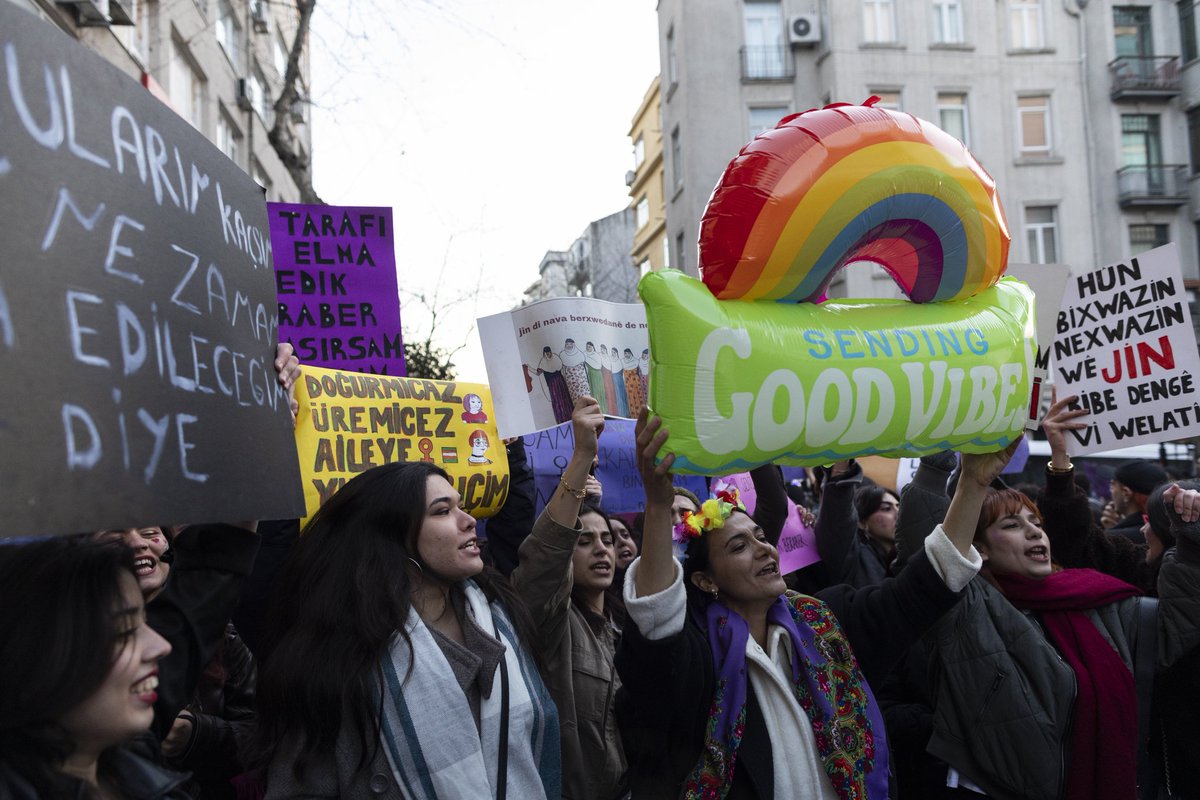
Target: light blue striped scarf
(428, 730)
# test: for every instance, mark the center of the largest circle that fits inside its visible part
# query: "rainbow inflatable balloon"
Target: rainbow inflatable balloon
(841, 184)
(752, 367)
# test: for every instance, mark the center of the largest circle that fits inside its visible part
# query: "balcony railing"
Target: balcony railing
(1153, 185)
(1144, 77)
(767, 63)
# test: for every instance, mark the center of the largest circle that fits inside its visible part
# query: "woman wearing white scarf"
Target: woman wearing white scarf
(400, 666)
(575, 371)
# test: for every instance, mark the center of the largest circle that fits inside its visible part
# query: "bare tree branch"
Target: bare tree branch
(281, 137)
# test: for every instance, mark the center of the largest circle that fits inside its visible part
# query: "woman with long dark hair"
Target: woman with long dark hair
(734, 687)
(399, 666)
(78, 679)
(565, 574)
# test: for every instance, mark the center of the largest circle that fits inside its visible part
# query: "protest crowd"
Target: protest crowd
(432, 621)
(961, 638)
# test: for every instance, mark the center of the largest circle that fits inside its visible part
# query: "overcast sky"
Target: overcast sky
(496, 130)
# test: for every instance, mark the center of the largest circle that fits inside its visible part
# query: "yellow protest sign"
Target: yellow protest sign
(350, 422)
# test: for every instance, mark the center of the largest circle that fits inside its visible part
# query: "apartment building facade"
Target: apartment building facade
(597, 264)
(651, 247)
(1086, 114)
(218, 63)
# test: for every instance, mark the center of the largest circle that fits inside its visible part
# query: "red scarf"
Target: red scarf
(1103, 735)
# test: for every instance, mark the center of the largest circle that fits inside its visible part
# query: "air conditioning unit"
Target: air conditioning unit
(630, 177)
(804, 29)
(244, 100)
(258, 16)
(89, 13)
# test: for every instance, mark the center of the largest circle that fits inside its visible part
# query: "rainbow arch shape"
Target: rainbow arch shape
(833, 186)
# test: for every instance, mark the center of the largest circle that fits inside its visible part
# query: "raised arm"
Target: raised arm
(543, 575)
(1075, 541)
(656, 567)
(514, 521)
(837, 521)
(771, 501)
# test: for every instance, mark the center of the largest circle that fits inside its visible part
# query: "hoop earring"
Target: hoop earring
(417, 565)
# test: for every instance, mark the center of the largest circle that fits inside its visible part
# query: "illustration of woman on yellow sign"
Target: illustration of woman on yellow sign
(479, 447)
(473, 409)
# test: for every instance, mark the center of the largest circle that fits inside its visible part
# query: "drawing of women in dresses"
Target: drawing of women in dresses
(614, 364)
(550, 367)
(574, 370)
(610, 391)
(595, 377)
(633, 383)
(644, 374)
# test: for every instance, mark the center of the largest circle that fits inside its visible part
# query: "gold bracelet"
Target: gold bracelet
(1056, 471)
(578, 494)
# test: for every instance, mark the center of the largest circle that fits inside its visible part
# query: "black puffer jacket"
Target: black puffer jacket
(132, 769)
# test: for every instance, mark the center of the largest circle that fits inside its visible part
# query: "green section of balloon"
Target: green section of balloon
(739, 383)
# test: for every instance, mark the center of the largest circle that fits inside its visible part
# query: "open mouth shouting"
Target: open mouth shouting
(770, 568)
(1039, 553)
(470, 546)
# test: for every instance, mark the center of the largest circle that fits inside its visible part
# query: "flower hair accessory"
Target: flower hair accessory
(712, 515)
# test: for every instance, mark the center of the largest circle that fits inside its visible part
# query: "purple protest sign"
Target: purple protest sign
(797, 544)
(335, 277)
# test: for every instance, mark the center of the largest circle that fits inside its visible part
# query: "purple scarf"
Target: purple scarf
(828, 684)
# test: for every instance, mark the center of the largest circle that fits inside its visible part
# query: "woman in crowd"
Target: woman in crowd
(723, 671)
(566, 568)
(624, 541)
(207, 737)
(1041, 666)
(79, 678)
(856, 529)
(399, 666)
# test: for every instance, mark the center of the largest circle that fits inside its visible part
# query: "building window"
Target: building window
(259, 98)
(643, 267)
(765, 53)
(1187, 29)
(1141, 143)
(229, 138)
(1193, 123)
(947, 21)
(229, 34)
(639, 151)
(672, 63)
(889, 99)
(765, 118)
(666, 252)
(952, 115)
(1033, 116)
(879, 20)
(676, 159)
(1041, 234)
(1025, 24)
(1147, 237)
(680, 262)
(642, 213)
(186, 86)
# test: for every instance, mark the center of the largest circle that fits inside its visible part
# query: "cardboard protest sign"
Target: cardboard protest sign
(350, 422)
(1126, 346)
(797, 544)
(137, 307)
(335, 274)
(1047, 282)
(549, 452)
(542, 356)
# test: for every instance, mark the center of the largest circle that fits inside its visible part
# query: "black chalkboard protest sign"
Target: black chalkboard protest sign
(137, 307)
